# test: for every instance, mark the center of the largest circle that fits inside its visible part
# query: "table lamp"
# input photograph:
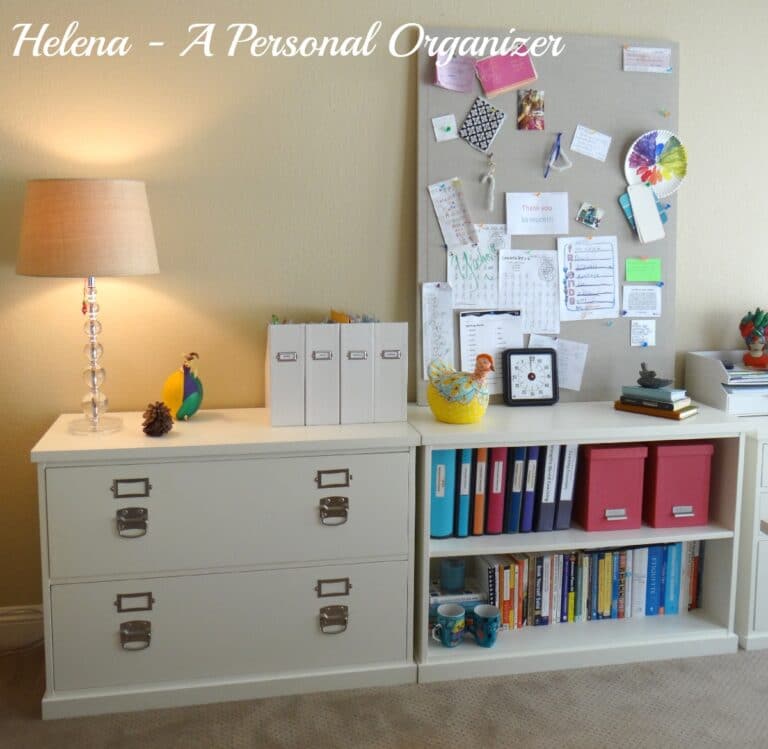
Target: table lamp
(86, 228)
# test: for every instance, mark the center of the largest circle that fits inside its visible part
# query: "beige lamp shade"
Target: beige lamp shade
(86, 227)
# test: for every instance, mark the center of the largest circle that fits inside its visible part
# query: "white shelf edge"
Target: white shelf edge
(572, 539)
(562, 646)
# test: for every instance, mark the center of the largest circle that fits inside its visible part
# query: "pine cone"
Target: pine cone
(157, 419)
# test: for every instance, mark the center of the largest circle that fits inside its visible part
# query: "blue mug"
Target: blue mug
(485, 625)
(450, 626)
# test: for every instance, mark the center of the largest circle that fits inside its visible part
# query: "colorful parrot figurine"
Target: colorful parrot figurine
(459, 397)
(183, 391)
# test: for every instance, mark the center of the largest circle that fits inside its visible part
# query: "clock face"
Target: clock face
(530, 376)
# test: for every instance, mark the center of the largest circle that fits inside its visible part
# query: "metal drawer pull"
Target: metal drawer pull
(140, 601)
(334, 510)
(128, 488)
(332, 479)
(322, 355)
(339, 586)
(284, 356)
(135, 635)
(132, 522)
(619, 514)
(391, 353)
(334, 619)
(357, 355)
(683, 511)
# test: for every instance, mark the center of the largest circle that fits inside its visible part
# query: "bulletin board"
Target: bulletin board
(584, 85)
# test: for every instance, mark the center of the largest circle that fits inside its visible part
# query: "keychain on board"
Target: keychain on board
(490, 178)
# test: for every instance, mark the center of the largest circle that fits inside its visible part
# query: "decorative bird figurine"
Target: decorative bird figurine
(459, 397)
(183, 391)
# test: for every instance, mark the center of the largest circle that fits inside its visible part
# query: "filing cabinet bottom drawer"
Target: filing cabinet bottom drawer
(231, 624)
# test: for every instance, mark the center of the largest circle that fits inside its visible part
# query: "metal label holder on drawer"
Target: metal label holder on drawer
(720, 379)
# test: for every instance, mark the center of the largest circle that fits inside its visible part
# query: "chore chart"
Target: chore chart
(452, 213)
(590, 278)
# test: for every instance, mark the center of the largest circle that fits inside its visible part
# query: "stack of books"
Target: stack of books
(667, 402)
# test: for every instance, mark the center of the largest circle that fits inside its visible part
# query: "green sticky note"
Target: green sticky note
(644, 269)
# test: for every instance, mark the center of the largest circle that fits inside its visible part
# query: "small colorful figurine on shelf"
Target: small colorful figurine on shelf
(459, 397)
(183, 391)
(648, 378)
(752, 328)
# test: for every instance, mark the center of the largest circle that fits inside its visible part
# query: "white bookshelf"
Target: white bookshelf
(708, 630)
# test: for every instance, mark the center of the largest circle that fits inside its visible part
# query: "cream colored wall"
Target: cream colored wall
(288, 186)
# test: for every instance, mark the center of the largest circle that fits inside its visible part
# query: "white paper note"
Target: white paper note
(642, 333)
(647, 60)
(473, 274)
(436, 324)
(528, 282)
(530, 213)
(489, 333)
(452, 213)
(445, 127)
(590, 143)
(641, 301)
(571, 359)
(590, 278)
(493, 235)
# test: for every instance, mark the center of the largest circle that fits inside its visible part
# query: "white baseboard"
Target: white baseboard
(20, 626)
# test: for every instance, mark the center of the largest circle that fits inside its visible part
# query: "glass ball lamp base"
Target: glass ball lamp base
(104, 425)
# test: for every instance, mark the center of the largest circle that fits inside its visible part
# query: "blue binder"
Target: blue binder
(529, 490)
(515, 486)
(442, 493)
(463, 490)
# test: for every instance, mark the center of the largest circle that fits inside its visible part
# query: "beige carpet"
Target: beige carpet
(702, 702)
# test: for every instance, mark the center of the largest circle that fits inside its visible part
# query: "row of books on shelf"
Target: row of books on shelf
(478, 491)
(666, 402)
(538, 589)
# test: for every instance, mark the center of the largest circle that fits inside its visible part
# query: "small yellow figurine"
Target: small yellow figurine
(183, 391)
(459, 397)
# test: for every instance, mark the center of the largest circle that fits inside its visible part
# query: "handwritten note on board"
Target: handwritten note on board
(436, 324)
(473, 274)
(571, 359)
(590, 143)
(455, 73)
(642, 333)
(589, 276)
(452, 213)
(528, 282)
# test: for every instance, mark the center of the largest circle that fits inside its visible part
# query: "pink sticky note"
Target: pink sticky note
(456, 75)
(503, 73)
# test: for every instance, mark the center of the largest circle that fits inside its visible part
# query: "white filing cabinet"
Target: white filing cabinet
(752, 600)
(226, 560)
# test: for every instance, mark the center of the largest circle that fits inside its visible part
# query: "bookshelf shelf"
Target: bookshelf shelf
(574, 538)
(583, 644)
(707, 630)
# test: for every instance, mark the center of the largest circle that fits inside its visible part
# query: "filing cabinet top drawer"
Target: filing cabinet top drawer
(137, 518)
(214, 433)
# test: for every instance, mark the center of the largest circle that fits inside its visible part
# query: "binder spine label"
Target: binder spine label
(466, 472)
(440, 481)
(497, 471)
(569, 472)
(480, 482)
(517, 476)
(530, 481)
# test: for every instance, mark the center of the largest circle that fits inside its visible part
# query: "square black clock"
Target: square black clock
(530, 376)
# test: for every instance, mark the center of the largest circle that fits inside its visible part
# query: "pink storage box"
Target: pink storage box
(677, 484)
(610, 487)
